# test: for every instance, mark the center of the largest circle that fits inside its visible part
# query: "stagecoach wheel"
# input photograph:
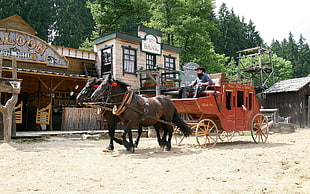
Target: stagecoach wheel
(207, 133)
(259, 128)
(178, 135)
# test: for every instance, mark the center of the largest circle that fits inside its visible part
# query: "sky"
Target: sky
(274, 19)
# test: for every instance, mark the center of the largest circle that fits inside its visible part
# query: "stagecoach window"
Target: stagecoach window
(129, 60)
(240, 97)
(169, 64)
(228, 100)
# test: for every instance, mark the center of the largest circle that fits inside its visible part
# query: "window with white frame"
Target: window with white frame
(150, 61)
(129, 59)
(169, 66)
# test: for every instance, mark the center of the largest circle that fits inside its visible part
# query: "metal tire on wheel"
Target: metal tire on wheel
(207, 133)
(259, 128)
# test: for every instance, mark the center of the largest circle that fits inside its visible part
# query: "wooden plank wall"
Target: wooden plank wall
(80, 119)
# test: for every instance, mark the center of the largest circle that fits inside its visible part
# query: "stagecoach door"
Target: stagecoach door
(240, 110)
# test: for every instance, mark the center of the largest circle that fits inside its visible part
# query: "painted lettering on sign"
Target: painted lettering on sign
(29, 48)
(151, 45)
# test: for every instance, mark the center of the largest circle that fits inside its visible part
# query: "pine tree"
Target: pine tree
(73, 23)
(38, 14)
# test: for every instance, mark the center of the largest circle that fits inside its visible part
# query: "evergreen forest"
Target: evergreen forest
(205, 36)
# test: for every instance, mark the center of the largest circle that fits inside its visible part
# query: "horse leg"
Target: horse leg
(138, 136)
(169, 130)
(132, 146)
(127, 129)
(158, 128)
(111, 127)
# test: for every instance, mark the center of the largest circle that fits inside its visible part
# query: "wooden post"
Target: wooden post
(1, 61)
(158, 84)
(308, 119)
(7, 109)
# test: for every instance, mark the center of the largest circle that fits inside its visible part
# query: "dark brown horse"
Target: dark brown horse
(134, 110)
(112, 120)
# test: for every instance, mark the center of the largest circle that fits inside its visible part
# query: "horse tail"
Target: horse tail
(181, 124)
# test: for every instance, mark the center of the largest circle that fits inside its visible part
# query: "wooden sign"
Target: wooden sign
(29, 48)
(10, 85)
(150, 44)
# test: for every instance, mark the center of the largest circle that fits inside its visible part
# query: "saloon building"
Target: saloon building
(52, 76)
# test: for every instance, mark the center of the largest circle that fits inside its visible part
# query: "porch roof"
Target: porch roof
(46, 73)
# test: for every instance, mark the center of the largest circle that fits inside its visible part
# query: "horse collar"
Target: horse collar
(126, 101)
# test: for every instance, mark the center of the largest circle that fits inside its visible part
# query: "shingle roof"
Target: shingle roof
(291, 85)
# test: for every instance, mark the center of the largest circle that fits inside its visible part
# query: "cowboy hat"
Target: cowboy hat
(201, 68)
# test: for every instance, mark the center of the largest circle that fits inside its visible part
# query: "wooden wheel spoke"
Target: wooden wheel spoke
(259, 128)
(206, 133)
(211, 138)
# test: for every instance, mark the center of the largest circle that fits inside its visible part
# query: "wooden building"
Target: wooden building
(292, 98)
(130, 58)
(52, 76)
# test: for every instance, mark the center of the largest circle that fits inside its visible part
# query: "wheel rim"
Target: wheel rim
(206, 133)
(259, 128)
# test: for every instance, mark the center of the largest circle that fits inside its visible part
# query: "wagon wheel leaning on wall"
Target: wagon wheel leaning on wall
(207, 133)
(259, 128)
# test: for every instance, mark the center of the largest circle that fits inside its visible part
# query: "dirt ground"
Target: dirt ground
(67, 165)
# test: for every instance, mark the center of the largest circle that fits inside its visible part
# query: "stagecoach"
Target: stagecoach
(222, 110)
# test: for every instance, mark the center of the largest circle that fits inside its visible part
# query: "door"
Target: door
(240, 110)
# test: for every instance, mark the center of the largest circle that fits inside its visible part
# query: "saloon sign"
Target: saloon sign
(151, 45)
(29, 48)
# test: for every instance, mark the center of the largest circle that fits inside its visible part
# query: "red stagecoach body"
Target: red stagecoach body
(230, 104)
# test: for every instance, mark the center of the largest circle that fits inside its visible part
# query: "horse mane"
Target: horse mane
(121, 83)
(91, 80)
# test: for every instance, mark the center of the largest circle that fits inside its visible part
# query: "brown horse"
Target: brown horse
(134, 110)
(112, 120)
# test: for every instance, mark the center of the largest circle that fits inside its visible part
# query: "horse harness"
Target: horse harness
(126, 104)
(126, 101)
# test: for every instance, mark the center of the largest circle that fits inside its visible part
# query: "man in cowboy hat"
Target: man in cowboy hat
(201, 82)
(198, 85)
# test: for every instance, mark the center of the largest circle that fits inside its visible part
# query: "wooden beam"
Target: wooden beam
(10, 85)
(58, 85)
(14, 66)
(43, 83)
(1, 61)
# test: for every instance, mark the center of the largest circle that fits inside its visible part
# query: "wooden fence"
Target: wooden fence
(81, 119)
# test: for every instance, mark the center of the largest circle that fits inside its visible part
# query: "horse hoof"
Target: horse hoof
(167, 148)
(131, 149)
(110, 147)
